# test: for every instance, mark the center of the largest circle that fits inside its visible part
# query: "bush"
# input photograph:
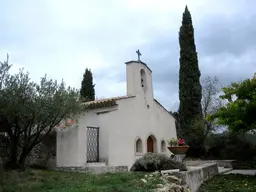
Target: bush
(151, 162)
(229, 146)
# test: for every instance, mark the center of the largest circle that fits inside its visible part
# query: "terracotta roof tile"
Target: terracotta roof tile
(105, 102)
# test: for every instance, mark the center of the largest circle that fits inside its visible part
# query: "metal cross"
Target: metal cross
(139, 54)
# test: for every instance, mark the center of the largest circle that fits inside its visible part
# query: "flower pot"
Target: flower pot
(178, 149)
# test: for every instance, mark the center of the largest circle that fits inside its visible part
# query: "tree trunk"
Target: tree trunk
(12, 162)
(25, 151)
(22, 159)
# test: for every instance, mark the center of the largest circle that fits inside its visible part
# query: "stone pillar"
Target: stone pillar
(179, 157)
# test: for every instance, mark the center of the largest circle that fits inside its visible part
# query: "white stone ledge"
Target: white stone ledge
(195, 176)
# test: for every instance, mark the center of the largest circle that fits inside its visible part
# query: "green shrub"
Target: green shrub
(155, 162)
(230, 146)
(252, 163)
(254, 160)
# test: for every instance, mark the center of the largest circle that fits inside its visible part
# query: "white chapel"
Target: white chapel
(117, 131)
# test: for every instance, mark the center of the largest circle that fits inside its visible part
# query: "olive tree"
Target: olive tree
(30, 111)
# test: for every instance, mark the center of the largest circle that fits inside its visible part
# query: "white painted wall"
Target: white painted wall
(67, 148)
(103, 120)
(134, 117)
(134, 120)
(71, 144)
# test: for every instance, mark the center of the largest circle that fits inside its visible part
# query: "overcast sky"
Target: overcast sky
(63, 37)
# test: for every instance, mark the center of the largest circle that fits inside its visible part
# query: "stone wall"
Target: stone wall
(42, 156)
(95, 169)
(195, 176)
(220, 163)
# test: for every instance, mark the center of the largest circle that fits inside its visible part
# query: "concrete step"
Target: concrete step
(99, 164)
(223, 170)
(242, 172)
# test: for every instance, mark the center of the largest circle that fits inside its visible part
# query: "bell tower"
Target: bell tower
(139, 79)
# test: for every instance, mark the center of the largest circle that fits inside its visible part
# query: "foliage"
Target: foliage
(232, 146)
(154, 162)
(4, 143)
(173, 142)
(196, 139)
(87, 91)
(210, 101)
(176, 115)
(190, 90)
(197, 129)
(210, 104)
(30, 111)
(239, 113)
(48, 147)
(226, 183)
(59, 181)
(176, 142)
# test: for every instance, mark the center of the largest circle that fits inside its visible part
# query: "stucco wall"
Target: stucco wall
(67, 148)
(103, 118)
(71, 145)
(140, 116)
(118, 131)
(134, 119)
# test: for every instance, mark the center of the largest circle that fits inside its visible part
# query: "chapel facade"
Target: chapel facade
(117, 131)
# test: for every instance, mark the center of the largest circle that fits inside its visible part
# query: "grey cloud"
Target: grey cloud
(227, 35)
(223, 43)
(224, 46)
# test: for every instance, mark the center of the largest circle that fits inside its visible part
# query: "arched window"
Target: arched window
(143, 79)
(138, 146)
(163, 146)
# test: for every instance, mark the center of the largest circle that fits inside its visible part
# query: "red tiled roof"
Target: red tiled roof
(105, 102)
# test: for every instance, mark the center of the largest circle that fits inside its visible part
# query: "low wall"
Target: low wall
(195, 176)
(95, 169)
(220, 163)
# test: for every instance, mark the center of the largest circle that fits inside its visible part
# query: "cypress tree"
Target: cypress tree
(87, 91)
(190, 89)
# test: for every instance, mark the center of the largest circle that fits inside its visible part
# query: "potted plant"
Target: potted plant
(177, 146)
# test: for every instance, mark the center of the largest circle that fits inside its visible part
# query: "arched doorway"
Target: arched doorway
(151, 144)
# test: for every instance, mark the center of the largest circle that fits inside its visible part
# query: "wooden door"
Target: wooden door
(150, 145)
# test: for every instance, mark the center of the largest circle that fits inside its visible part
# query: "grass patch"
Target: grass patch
(51, 181)
(230, 183)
